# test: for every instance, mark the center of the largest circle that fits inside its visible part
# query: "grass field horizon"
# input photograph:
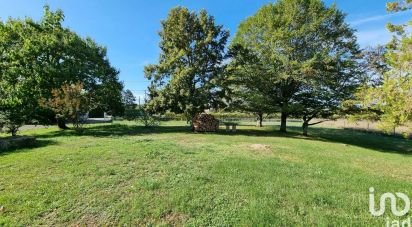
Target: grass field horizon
(123, 173)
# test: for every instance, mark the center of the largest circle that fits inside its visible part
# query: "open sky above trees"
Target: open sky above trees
(130, 30)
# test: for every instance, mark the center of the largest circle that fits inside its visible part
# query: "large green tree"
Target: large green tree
(190, 67)
(296, 43)
(36, 57)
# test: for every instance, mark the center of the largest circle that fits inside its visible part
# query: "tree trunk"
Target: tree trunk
(305, 127)
(189, 120)
(61, 123)
(13, 132)
(260, 120)
(283, 119)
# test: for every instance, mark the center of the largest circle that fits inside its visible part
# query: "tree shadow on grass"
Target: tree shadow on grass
(376, 142)
(37, 144)
(115, 130)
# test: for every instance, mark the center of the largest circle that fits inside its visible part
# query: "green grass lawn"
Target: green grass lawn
(125, 174)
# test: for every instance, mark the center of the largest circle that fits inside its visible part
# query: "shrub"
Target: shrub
(148, 120)
(131, 114)
(70, 102)
(141, 115)
(10, 122)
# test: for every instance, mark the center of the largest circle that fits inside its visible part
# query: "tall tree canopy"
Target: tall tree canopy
(190, 66)
(36, 57)
(298, 47)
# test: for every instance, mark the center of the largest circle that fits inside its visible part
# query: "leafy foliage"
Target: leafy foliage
(128, 99)
(131, 114)
(245, 86)
(11, 121)
(141, 115)
(147, 119)
(397, 6)
(190, 66)
(70, 102)
(297, 55)
(36, 57)
(359, 107)
(392, 97)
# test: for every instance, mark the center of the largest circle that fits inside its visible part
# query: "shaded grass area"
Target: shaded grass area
(123, 173)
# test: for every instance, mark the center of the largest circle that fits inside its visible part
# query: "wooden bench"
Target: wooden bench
(230, 126)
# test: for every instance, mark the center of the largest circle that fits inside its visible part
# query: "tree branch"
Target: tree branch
(318, 122)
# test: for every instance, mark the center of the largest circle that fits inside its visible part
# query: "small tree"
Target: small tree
(140, 114)
(14, 110)
(255, 103)
(11, 121)
(146, 118)
(70, 103)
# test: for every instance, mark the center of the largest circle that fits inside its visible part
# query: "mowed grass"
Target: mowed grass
(124, 174)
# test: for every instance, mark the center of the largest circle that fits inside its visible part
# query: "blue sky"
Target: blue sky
(129, 29)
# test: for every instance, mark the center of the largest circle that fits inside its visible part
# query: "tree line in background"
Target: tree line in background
(295, 58)
(387, 94)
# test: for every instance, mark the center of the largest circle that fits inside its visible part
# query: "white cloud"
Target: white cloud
(370, 19)
(374, 18)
